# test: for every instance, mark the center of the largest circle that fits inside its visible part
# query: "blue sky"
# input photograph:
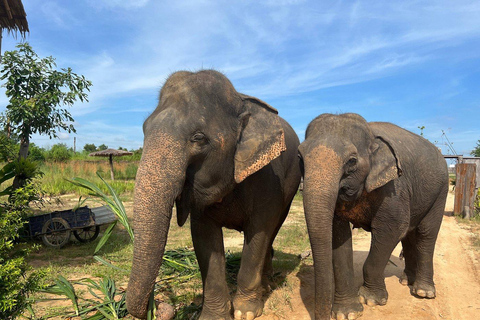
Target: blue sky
(413, 63)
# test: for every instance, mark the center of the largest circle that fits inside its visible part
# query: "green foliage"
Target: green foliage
(36, 153)
(102, 147)
(112, 200)
(109, 302)
(89, 147)
(476, 151)
(59, 153)
(37, 91)
(8, 148)
(17, 280)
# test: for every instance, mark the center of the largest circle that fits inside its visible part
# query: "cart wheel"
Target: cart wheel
(56, 232)
(87, 234)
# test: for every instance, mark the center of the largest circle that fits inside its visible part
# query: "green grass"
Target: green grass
(54, 181)
(179, 287)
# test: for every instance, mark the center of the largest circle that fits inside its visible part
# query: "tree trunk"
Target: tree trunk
(110, 159)
(19, 180)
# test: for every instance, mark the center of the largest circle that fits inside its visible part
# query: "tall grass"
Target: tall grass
(53, 181)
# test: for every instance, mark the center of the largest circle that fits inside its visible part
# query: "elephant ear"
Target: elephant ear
(261, 140)
(385, 165)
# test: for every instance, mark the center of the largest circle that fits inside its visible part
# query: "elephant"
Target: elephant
(226, 160)
(379, 177)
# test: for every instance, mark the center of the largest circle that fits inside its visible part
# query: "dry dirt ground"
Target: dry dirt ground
(457, 271)
(456, 278)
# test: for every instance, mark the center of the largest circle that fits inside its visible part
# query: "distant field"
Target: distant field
(54, 181)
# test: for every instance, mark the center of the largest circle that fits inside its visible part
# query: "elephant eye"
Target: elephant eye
(197, 136)
(351, 165)
(352, 162)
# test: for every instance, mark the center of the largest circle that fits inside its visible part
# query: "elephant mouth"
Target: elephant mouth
(348, 194)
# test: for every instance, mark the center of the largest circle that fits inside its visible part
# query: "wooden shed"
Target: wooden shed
(466, 185)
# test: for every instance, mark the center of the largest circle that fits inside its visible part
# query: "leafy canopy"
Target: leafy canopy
(37, 93)
(476, 151)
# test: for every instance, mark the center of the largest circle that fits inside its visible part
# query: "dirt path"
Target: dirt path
(456, 277)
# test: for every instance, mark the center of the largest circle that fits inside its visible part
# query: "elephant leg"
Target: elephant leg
(410, 254)
(268, 266)
(346, 304)
(384, 239)
(267, 271)
(207, 239)
(257, 249)
(426, 235)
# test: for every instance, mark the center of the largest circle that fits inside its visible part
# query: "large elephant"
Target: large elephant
(226, 159)
(383, 179)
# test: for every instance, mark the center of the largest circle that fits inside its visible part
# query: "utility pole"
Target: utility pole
(74, 144)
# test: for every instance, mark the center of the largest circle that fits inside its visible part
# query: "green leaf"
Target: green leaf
(105, 237)
(64, 287)
(103, 261)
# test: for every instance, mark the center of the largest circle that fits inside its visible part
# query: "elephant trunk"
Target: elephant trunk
(160, 178)
(321, 180)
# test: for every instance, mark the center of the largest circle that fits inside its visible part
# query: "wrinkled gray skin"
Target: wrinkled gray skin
(226, 159)
(383, 179)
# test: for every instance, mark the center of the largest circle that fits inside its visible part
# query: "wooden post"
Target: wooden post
(110, 158)
(465, 190)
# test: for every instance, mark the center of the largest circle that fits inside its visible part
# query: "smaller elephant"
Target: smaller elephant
(226, 160)
(383, 179)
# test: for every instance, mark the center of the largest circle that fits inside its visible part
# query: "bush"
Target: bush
(35, 153)
(8, 148)
(59, 153)
(15, 284)
(89, 148)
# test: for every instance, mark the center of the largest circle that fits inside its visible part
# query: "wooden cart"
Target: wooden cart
(55, 228)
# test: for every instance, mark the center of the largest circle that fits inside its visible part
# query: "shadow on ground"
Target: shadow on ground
(306, 275)
(75, 253)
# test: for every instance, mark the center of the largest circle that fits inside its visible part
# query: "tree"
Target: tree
(90, 147)
(102, 147)
(476, 151)
(59, 153)
(37, 94)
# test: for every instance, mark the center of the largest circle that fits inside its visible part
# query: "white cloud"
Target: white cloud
(121, 3)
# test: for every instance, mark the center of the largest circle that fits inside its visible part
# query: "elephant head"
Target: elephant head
(343, 160)
(202, 139)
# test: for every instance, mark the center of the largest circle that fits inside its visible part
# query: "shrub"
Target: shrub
(15, 284)
(59, 153)
(35, 153)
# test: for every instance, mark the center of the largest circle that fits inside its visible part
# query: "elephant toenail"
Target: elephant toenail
(371, 303)
(340, 316)
(361, 299)
(421, 293)
(352, 316)
(250, 315)
(238, 315)
(430, 294)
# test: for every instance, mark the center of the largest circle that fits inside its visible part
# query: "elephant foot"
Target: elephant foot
(350, 309)
(247, 309)
(213, 314)
(372, 297)
(267, 284)
(406, 280)
(423, 290)
(213, 317)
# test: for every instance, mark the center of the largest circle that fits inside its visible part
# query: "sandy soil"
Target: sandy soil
(457, 271)
(456, 278)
